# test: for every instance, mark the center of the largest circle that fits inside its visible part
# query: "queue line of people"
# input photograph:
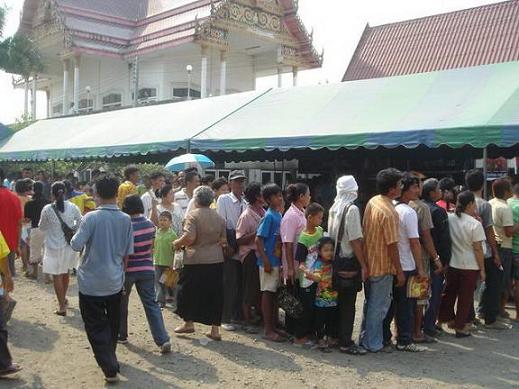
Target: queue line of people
(239, 247)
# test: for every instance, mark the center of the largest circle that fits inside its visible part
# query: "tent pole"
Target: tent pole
(188, 148)
(485, 172)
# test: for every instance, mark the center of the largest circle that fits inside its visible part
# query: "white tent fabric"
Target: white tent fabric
(138, 131)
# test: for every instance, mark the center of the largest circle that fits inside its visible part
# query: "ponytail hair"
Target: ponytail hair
(465, 198)
(37, 189)
(58, 191)
(295, 191)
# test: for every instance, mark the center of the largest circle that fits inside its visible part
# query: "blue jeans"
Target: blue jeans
(402, 310)
(378, 293)
(429, 322)
(144, 282)
(5, 356)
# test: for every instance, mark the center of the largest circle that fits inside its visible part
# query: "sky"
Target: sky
(337, 25)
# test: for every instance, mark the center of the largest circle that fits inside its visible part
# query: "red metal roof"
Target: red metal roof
(471, 37)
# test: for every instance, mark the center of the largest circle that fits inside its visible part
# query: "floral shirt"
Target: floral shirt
(326, 296)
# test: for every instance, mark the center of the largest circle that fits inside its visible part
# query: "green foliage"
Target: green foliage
(21, 122)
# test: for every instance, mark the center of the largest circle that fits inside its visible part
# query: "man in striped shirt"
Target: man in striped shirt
(141, 272)
(381, 233)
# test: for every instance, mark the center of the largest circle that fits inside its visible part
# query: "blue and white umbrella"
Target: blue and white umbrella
(187, 161)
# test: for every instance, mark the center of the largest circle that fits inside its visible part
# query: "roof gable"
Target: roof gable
(476, 36)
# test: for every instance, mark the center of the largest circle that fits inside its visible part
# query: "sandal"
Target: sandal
(462, 334)
(60, 313)
(275, 338)
(182, 330)
(216, 338)
(14, 368)
(353, 350)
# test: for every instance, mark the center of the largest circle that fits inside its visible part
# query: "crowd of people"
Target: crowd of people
(237, 252)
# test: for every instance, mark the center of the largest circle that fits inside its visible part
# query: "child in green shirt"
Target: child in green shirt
(163, 254)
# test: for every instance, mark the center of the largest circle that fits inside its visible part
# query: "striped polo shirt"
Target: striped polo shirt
(143, 234)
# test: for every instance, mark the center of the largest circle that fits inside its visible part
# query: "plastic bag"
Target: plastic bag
(169, 278)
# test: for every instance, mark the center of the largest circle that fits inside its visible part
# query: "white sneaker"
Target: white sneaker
(228, 327)
(165, 348)
(412, 348)
(113, 379)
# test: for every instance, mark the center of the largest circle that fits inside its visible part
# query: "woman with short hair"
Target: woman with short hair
(200, 287)
(466, 265)
(58, 256)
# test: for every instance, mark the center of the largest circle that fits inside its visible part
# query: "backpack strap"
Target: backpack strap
(340, 233)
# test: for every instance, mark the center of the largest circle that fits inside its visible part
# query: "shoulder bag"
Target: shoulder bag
(351, 266)
(67, 231)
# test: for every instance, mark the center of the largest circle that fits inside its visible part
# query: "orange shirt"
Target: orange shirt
(381, 229)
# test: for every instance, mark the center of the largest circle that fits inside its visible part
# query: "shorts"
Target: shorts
(269, 282)
(515, 267)
(507, 258)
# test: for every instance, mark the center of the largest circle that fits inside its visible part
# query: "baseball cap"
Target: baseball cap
(236, 175)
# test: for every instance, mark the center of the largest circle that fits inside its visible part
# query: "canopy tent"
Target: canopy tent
(139, 131)
(474, 107)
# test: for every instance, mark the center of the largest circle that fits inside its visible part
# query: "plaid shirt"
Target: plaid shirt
(381, 229)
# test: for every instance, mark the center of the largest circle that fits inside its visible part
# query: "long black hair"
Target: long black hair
(37, 189)
(464, 199)
(58, 191)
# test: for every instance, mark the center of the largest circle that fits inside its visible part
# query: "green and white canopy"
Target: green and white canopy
(476, 106)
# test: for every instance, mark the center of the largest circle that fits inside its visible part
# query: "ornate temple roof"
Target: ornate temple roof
(471, 37)
(122, 28)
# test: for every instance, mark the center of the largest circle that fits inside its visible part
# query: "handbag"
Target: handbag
(289, 303)
(67, 231)
(353, 280)
(418, 288)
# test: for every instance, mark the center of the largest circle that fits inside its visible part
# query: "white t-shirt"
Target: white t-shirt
(503, 217)
(408, 230)
(147, 201)
(464, 230)
(182, 199)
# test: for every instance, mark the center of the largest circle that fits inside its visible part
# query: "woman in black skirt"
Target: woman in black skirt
(200, 287)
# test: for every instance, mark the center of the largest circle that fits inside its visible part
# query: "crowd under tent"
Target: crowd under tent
(453, 115)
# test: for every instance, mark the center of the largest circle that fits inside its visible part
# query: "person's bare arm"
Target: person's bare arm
(416, 250)
(395, 259)
(289, 252)
(480, 259)
(246, 239)
(491, 239)
(510, 230)
(260, 245)
(358, 249)
(184, 240)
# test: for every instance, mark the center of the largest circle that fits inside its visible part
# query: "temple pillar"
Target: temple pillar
(33, 93)
(280, 77)
(203, 74)
(294, 76)
(223, 72)
(76, 84)
(64, 110)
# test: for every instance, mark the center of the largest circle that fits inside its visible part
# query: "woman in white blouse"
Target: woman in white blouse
(466, 265)
(58, 256)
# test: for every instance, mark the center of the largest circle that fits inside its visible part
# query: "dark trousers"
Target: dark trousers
(326, 322)
(491, 296)
(460, 285)
(5, 355)
(101, 315)
(232, 284)
(305, 325)
(431, 315)
(402, 310)
(347, 299)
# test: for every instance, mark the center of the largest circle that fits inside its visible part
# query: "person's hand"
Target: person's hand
(290, 275)
(177, 245)
(18, 251)
(482, 275)
(266, 265)
(154, 202)
(400, 279)
(365, 273)
(497, 261)
(228, 251)
(422, 274)
(439, 267)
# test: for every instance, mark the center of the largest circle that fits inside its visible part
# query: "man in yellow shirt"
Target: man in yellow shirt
(129, 186)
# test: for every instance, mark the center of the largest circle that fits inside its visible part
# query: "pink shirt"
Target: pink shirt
(293, 223)
(248, 223)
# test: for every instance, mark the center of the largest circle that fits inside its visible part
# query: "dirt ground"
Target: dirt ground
(55, 353)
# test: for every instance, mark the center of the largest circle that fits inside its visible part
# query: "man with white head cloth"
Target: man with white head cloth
(345, 229)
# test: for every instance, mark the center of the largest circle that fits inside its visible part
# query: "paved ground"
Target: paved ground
(55, 353)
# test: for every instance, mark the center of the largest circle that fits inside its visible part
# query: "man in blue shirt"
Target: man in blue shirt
(107, 236)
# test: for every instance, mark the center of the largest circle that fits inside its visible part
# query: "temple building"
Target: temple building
(104, 54)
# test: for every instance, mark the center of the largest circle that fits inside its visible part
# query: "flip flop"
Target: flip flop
(275, 339)
(60, 313)
(215, 338)
(184, 330)
(14, 368)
